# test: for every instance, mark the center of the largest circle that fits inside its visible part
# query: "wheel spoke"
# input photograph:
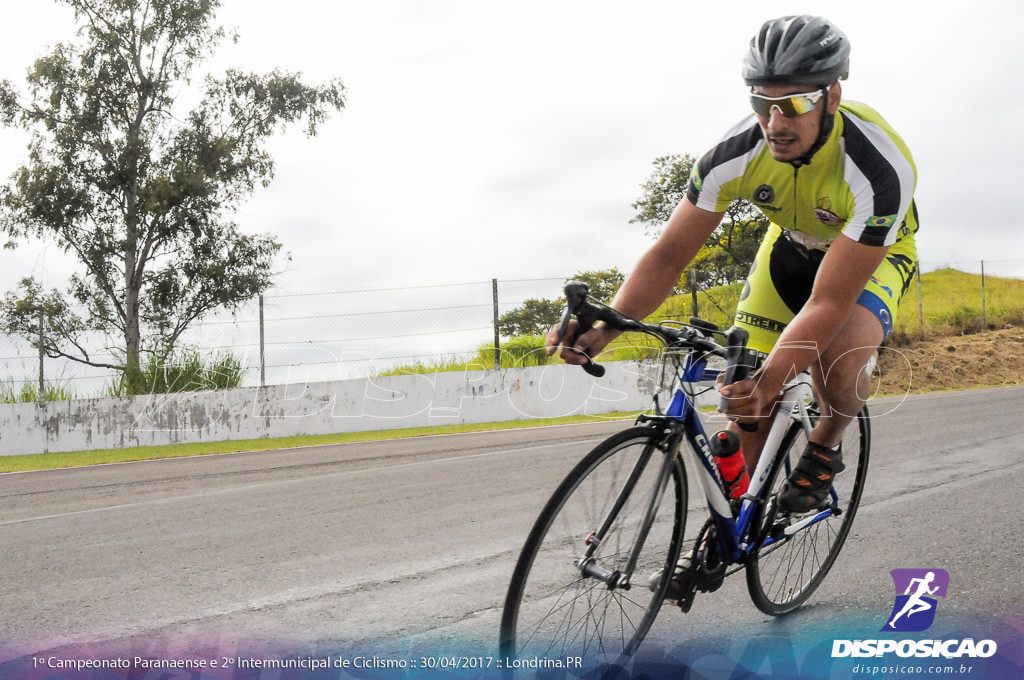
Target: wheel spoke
(786, 572)
(554, 609)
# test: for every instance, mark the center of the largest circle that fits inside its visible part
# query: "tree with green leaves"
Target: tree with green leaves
(533, 317)
(536, 315)
(139, 192)
(603, 284)
(729, 252)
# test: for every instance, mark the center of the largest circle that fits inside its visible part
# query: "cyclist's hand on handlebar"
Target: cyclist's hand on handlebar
(747, 401)
(579, 351)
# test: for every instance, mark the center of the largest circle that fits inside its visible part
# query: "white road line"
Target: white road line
(299, 480)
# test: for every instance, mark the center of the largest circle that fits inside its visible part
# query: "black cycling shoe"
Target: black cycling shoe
(808, 486)
(679, 583)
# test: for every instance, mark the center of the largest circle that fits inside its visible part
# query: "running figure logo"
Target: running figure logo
(916, 590)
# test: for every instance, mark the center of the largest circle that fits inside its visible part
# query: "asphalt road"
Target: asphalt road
(408, 543)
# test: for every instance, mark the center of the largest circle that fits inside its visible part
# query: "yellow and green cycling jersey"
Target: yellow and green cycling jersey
(860, 183)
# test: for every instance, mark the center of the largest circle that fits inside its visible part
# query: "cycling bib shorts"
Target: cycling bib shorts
(780, 283)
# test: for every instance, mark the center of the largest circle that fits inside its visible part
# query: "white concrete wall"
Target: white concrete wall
(323, 408)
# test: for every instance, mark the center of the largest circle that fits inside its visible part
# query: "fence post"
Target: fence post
(693, 293)
(497, 337)
(42, 354)
(920, 300)
(984, 313)
(263, 362)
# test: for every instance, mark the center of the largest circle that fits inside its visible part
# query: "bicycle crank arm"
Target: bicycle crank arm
(804, 523)
(792, 529)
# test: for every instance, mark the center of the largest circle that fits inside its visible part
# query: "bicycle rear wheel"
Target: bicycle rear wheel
(791, 561)
(555, 608)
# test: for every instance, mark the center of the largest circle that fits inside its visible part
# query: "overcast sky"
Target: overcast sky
(484, 139)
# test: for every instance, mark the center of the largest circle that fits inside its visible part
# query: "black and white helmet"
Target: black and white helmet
(797, 50)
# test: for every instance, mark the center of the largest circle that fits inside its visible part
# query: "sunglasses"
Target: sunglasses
(790, 106)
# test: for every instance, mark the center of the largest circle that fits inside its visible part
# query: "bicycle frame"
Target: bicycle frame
(612, 517)
(733, 531)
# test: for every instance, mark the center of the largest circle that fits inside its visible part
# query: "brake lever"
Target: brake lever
(736, 368)
(575, 299)
(586, 316)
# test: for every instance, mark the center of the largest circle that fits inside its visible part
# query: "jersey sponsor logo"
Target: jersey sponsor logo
(824, 213)
(828, 217)
(887, 289)
(906, 268)
(886, 319)
(760, 322)
(764, 194)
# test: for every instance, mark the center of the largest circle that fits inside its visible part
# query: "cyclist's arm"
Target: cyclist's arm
(844, 273)
(654, 277)
(658, 271)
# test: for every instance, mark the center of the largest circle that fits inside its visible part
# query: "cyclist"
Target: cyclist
(836, 183)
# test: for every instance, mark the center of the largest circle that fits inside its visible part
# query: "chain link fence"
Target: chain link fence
(309, 337)
(335, 335)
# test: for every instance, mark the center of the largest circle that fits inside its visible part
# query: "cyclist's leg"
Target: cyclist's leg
(841, 390)
(778, 285)
(842, 379)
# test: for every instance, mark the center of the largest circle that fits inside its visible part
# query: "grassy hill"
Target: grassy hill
(953, 303)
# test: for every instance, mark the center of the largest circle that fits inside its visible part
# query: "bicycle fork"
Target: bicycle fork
(588, 564)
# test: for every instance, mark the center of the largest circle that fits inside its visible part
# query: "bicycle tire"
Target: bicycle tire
(781, 576)
(551, 609)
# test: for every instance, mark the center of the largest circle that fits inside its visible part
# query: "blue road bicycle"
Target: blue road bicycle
(586, 582)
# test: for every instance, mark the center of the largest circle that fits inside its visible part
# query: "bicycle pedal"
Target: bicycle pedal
(686, 603)
(681, 585)
(683, 590)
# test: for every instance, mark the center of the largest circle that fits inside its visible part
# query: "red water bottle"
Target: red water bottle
(725, 446)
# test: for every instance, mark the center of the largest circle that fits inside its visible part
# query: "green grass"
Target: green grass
(183, 372)
(952, 304)
(28, 391)
(48, 461)
(521, 352)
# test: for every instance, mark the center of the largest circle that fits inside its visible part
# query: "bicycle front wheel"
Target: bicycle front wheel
(795, 553)
(580, 587)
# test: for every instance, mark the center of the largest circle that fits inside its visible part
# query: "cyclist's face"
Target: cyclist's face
(790, 138)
